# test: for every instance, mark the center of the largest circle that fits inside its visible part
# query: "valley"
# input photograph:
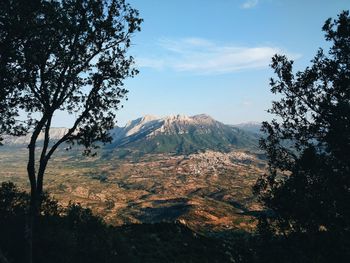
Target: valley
(207, 190)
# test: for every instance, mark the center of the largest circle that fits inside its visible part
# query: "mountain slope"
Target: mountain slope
(55, 134)
(175, 134)
(180, 135)
(253, 127)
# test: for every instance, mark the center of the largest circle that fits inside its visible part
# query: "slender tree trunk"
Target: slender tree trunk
(40, 181)
(35, 195)
(29, 233)
(32, 210)
(32, 222)
(30, 213)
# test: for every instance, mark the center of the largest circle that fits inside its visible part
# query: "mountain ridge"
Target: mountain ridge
(179, 134)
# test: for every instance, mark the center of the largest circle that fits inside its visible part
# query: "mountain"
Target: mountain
(176, 134)
(192, 170)
(55, 134)
(253, 127)
(179, 134)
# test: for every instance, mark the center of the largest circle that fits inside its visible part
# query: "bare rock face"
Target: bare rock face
(173, 124)
(176, 133)
(203, 118)
(180, 134)
(140, 125)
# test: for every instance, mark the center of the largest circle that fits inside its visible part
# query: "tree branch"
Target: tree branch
(69, 133)
(31, 147)
(37, 95)
(43, 161)
(63, 96)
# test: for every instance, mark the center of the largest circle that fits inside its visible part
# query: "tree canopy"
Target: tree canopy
(63, 55)
(307, 186)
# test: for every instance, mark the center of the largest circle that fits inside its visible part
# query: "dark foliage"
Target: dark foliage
(307, 188)
(73, 235)
(63, 56)
(66, 56)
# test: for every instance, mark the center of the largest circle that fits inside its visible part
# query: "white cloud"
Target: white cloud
(249, 4)
(202, 56)
(151, 63)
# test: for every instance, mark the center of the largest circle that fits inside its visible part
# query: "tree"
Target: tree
(307, 186)
(62, 55)
(66, 234)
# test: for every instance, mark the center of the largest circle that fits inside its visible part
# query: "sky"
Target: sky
(212, 56)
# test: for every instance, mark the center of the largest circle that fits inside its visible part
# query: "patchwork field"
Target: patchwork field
(210, 192)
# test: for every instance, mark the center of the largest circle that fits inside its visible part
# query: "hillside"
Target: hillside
(176, 134)
(193, 170)
(252, 127)
(179, 135)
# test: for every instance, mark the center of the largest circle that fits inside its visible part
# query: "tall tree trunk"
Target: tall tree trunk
(30, 213)
(35, 195)
(30, 221)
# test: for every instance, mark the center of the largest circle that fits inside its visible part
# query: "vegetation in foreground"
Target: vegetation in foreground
(74, 234)
(69, 56)
(307, 186)
(209, 192)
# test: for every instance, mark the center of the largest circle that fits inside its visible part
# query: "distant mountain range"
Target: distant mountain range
(55, 134)
(175, 134)
(252, 126)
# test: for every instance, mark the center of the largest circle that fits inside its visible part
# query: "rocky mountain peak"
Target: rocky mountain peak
(177, 118)
(175, 133)
(149, 117)
(140, 124)
(203, 118)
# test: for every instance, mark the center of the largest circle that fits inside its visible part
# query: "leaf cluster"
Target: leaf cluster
(64, 56)
(307, 186)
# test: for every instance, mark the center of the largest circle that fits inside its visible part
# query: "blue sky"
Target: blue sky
(212, 56)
